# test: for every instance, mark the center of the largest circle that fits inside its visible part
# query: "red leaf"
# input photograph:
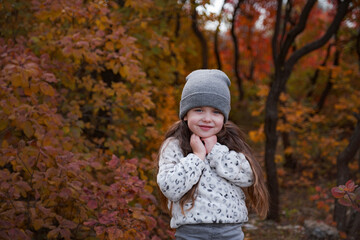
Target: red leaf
(65, 193)
(50, 77)
(337, 193)
(99, 230)
(65, 233)
(114, 161)
(92, 204)
(345, 202)
(16, 233)
(350, 185)
(115, 233)
(91, 222)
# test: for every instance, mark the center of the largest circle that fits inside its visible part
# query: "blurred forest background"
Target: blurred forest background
(88, 88)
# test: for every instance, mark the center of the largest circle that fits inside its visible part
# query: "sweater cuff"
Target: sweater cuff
(194, 161)
(217, 152)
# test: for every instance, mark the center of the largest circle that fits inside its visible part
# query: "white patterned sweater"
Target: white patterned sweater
(219, 198)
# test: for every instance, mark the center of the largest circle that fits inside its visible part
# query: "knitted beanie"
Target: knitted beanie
(206, 87)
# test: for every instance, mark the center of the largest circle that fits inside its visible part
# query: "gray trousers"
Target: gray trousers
(215, 231)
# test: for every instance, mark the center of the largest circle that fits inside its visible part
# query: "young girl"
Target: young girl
(205, 166)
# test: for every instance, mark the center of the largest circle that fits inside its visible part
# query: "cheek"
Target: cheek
(220, 122)
(190, 125)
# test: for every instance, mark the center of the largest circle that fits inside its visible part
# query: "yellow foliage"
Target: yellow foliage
(289, 150)
(263, 91)
(257, 135)
(279, 158)
(258, 111)
(149, 188)
(38, 223)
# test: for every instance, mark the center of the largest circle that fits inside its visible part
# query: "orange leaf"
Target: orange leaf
(38, 223)
(28, 129)
(53, 233)
(18, 80)
(47, 89)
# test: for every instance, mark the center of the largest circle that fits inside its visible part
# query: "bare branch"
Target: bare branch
(314, 78)
(329, 83)
(276, 32)
(299, 27)
(333, 28)
(286, 20)
(199, 35)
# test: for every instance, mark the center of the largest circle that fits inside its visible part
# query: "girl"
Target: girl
(205, 166)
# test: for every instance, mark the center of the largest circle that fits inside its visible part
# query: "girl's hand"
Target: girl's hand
(209, 143)
(197, 146)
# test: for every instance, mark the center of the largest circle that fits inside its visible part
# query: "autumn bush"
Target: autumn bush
(78, 123)
(52, 184)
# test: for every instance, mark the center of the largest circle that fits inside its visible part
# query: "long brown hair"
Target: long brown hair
(234, 139)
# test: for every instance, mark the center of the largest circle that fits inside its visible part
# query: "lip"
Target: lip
(205, 128)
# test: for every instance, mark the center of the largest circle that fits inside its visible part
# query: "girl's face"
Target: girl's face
(204, 121)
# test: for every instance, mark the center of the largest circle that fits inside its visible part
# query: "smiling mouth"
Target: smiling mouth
(205, 127)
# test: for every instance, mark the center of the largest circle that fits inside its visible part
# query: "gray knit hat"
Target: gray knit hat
(206, 87)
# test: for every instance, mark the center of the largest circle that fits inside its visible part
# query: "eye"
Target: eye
(197, 110)
(217, 112)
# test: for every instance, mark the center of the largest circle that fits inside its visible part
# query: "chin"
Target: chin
(205, 135)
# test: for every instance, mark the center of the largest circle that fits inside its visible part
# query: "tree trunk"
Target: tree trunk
(343, 174)
(216, 39)
(290, 161)
(329, 83)
(236, 52)
(271, 117)
(199, 35)
(283, 68)
(216, 48)
(354, 228)
(358, 47)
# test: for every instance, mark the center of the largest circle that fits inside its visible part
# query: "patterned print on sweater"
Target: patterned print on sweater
(219, 197)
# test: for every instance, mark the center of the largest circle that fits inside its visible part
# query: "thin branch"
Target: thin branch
(314, 78)
(276, 32)
(286, 20)
(333, 28)
(299, 27)
(329, 83)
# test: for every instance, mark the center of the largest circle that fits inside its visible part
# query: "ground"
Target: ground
(296, 207)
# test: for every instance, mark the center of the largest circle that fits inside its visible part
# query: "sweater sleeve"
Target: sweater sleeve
(231, 165)
(177, 174)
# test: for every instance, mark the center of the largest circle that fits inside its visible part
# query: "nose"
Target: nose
(207, 117)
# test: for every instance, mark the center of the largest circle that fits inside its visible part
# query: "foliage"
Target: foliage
(348, 195)
(87, 88)
(48, 190)
(76, 93)
(322, 199)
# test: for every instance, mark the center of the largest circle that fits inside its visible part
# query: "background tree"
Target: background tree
(284, 63)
